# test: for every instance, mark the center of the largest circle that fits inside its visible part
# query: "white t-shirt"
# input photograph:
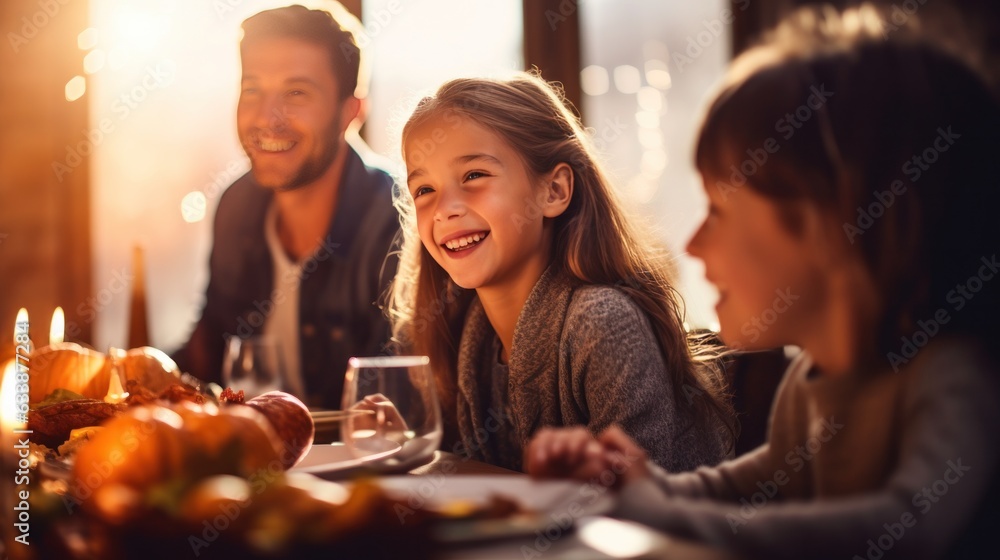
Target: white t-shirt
(283, 322)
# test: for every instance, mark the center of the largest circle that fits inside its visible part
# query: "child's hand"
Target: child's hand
(565, 453)
(626, 459)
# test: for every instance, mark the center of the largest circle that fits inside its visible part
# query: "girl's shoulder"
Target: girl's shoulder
(604, 307)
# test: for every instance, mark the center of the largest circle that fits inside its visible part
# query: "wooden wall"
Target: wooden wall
(44, 219)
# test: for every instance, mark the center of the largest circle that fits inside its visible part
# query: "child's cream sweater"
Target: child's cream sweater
(866, 466)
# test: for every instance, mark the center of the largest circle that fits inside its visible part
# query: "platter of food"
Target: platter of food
(471, 508)
(132, 460)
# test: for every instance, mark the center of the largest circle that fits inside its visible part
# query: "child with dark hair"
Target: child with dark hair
(854, 174)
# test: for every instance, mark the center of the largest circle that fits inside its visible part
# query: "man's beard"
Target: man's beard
(314, 167)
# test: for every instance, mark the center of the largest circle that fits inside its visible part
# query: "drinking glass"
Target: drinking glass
(394, 409)
(253, 365)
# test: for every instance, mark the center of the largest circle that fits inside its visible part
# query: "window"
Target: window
(648, 70)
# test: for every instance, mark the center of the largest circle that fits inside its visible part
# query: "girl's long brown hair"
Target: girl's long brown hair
(594, 243)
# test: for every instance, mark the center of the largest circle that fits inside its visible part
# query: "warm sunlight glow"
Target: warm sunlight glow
(657, 74)
(87, 39)
(8, 416)
(75, 88)
(594, 80)
(116, 393)
(139, 30)
(193, 207)
(647, 119)
(94, 61)
(627, 78)
(616, 538)
(650, 99)
(58, 327)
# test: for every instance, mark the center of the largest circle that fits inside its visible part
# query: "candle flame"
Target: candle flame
(9, 419)
(22, 315)
(58, 327)
(116, 393)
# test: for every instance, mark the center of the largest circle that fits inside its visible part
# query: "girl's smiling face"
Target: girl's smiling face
(477, 206)
(771, 282)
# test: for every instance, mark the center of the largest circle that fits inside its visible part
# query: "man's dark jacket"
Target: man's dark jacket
(341, 284)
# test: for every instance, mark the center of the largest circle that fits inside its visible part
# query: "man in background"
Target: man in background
(301, 241)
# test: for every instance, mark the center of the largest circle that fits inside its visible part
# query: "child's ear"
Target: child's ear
(558, 187)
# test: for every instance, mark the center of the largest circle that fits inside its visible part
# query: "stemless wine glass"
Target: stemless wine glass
(394, 410)
(253, 365)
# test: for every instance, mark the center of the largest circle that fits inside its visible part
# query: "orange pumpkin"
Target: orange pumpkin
(138, 449)
(69, 366)
(153, 445)
(150, 367)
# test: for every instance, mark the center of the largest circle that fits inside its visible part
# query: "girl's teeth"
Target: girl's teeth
(465, 241)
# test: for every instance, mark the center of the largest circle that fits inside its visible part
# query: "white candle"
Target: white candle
(58, 326)
(13, 412)
(22, 318)
(9, 418)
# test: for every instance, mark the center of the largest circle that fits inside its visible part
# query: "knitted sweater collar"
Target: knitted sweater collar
(533, 358)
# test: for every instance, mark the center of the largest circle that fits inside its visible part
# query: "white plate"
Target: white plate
(544, 496)
(334, 461)
(548, 503)
(334, 458)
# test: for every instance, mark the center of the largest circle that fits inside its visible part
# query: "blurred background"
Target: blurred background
(117, 127)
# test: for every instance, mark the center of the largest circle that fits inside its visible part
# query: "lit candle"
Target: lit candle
(58, 326)
(14, 435)
(14, 414)
(21, 321)
(9, 418)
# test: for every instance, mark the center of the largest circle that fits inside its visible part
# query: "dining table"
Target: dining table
(597, 537)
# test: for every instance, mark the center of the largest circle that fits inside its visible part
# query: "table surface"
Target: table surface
(567, 546)
(445, 462)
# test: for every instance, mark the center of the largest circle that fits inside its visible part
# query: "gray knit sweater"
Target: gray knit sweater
(885, 465)
(582, 355)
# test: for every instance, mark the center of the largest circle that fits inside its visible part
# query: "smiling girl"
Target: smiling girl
(882, 437)
(525, 284)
